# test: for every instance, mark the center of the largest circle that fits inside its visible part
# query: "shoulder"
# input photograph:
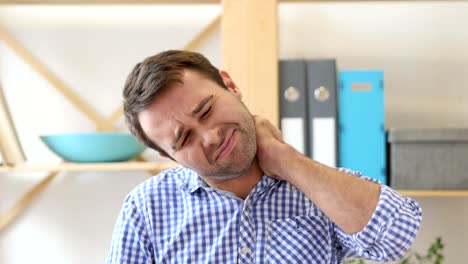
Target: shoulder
(350, 172)
(360, 175)
(162, 187)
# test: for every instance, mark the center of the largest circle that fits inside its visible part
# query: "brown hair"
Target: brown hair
(155, 73)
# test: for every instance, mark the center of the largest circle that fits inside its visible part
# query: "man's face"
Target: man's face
(203, 126)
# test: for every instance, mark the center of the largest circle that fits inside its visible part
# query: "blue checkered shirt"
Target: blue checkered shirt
(176, 218)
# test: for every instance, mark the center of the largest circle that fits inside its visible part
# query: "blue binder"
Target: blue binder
(362, 141)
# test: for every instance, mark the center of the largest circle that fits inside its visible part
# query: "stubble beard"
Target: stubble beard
(242, 157)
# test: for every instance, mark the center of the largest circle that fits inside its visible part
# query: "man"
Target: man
(242, 195)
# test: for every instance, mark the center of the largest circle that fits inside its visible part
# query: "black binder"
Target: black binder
(293, 107)
(322, 111)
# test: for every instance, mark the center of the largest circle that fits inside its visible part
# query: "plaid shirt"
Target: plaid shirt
(176, 218)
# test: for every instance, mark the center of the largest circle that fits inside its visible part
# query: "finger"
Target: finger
(274, 129)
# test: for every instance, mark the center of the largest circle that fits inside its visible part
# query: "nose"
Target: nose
(212, 139)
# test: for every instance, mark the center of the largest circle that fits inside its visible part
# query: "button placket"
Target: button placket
(246, 234)
(245, 249)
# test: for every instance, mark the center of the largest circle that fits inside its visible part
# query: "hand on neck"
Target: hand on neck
(242, 185)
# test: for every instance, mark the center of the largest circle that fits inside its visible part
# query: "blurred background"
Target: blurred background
(421, 46)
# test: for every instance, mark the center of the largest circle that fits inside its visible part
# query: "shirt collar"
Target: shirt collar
(194, 182)
(264, 184)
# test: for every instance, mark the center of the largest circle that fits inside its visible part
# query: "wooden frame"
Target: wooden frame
(10, 146)
(7, 218)
(41, 69)
(101, 124)
(250, 53)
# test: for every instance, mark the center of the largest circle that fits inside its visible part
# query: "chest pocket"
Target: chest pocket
(302, 239)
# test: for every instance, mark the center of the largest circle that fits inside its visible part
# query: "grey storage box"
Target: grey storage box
(435, 159)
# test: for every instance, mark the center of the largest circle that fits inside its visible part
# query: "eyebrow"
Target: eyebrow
(201, 105)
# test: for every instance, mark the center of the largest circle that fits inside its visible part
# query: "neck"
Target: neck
(242, 185)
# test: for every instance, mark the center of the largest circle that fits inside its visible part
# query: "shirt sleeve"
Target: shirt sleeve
(390, 232)
(130, 240)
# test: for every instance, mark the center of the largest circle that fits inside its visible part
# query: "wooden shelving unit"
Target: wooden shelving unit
(244, 47)
(103, 124)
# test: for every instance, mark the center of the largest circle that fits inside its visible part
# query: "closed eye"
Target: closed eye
(206, 113)
(185, 139)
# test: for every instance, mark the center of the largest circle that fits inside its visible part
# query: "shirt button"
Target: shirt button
(245, 250)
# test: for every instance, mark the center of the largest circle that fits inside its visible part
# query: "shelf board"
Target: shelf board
(434, 193)
(159, 166)
(93, 2)
(132, 2)
(110, 166)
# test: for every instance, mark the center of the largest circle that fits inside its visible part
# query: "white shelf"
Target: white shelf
(111, 166)
(45, 2)
(434, 193)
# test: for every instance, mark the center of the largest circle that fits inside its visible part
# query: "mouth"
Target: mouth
(227, 146)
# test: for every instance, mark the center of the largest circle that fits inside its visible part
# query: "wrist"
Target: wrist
(292, 161)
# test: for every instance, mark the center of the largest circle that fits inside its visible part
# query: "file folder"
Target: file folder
(322, 110)
(293, 121)
(362, 138)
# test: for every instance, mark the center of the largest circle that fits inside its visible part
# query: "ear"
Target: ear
(232, 87)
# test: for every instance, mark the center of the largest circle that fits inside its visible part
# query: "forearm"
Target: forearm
(374, 221)
(390, 232)
(347, 200)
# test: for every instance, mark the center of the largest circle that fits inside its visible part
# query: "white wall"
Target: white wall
(423, 50)
(92, 49)
(422, 47)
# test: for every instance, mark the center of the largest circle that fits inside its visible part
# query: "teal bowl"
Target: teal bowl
(94, 147)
